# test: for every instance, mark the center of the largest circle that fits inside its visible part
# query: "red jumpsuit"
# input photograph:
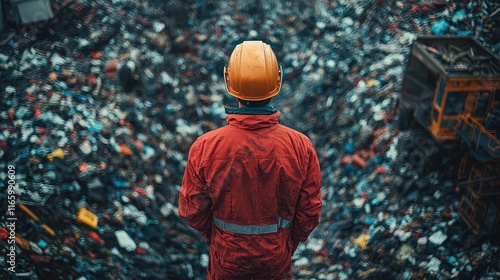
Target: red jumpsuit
(252, 189)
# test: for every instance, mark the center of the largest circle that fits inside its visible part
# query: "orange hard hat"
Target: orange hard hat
(253, 73)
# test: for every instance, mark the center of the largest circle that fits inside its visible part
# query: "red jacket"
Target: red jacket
(252, 189)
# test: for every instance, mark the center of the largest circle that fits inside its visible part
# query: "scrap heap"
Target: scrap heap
(100, 105)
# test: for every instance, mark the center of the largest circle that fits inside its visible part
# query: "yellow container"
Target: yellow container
(85, 217)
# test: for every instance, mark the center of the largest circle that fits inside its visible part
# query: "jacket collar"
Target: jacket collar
(249, 118)
(263, 110)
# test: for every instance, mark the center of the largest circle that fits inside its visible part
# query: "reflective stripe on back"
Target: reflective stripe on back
(252, 229)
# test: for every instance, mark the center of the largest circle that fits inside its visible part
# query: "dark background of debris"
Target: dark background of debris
(125, 142)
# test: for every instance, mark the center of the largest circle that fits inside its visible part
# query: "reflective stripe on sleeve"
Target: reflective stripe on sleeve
(252, 229)
(284, 223)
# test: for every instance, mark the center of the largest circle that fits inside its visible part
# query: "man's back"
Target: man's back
(254, 170)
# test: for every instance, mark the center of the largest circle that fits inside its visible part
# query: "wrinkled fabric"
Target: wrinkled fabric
(250, 173)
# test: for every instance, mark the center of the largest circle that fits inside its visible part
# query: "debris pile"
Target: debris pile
(100, 107)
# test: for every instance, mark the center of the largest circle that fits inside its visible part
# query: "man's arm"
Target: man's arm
(308, 209)
(194, 199)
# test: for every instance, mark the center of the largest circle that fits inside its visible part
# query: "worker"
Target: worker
(252, 187)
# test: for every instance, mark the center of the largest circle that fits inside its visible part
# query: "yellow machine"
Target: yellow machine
(452, 89)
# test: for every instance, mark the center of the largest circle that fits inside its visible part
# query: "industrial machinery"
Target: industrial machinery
(24, 12)
(451, 88)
